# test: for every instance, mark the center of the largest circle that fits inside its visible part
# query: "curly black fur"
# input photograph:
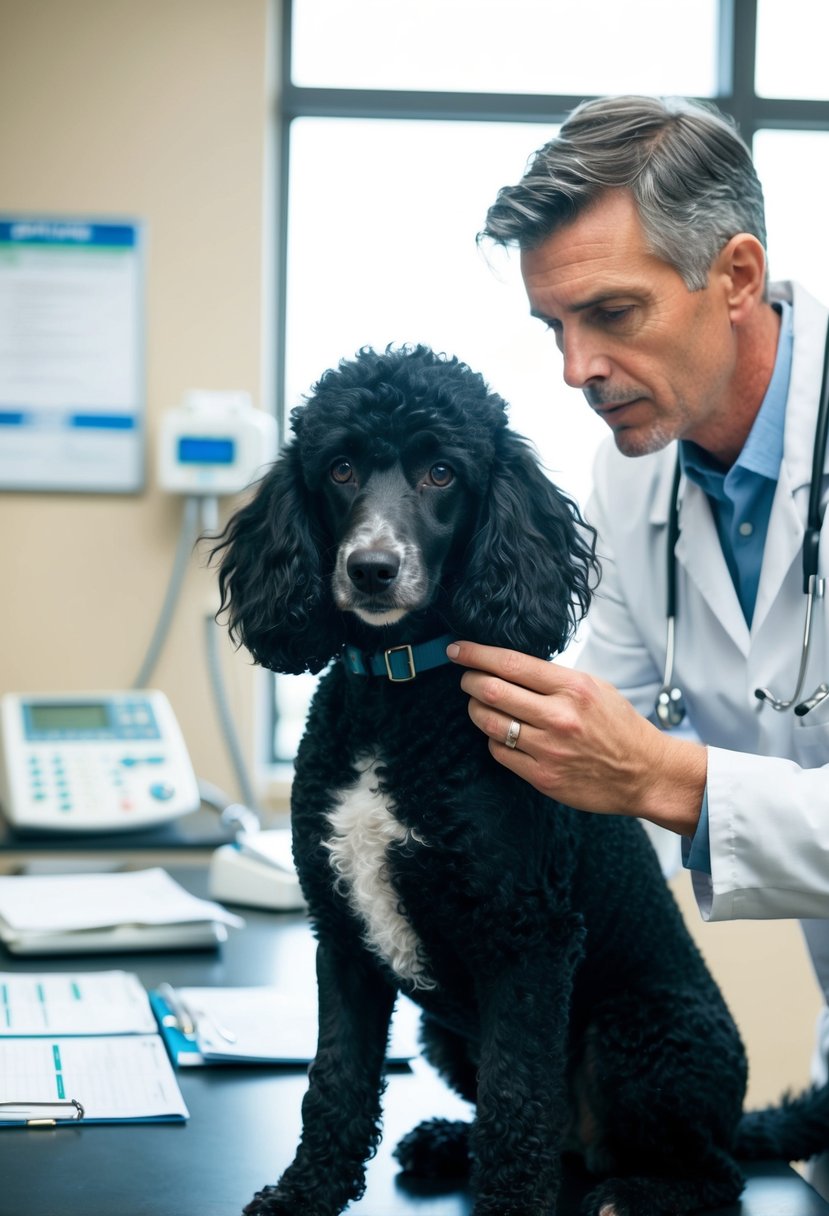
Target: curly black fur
(565, 998)
(275, 576)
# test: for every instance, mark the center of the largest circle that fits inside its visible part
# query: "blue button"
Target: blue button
(162, 791)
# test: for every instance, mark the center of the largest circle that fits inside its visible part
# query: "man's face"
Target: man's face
(655, 360)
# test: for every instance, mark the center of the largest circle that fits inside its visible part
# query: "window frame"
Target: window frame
(735, 94)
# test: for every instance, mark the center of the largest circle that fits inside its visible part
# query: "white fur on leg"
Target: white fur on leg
(363, 829)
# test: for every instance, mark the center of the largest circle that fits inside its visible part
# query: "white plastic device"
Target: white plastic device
(93, 761)
(214, 443)
(257, 871)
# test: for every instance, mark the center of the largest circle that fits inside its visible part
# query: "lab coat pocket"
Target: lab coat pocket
(811, 736)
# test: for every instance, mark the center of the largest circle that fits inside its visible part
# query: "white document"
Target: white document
(270, 1025)
(67, 902)
(120, 1078)
(73, 1003)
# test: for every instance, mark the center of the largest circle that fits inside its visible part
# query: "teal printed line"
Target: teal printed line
(4, 993)
(41, 995)
(76, 991)
(58, 1068)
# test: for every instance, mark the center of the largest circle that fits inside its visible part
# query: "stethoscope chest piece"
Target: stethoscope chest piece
(670, 707)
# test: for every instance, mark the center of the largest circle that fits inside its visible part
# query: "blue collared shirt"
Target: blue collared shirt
(741, 501)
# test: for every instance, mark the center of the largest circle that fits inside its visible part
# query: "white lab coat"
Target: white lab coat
(768, 772)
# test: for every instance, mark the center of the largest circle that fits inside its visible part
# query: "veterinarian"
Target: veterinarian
(642, 241)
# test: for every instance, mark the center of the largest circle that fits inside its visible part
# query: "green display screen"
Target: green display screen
(86, 716)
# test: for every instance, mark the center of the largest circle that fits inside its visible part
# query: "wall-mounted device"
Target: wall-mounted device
(93, 762)
(214, 443)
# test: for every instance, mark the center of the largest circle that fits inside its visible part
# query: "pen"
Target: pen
(199, 1017)
(178, 1016)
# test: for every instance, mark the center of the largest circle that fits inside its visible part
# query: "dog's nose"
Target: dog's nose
(372, 570)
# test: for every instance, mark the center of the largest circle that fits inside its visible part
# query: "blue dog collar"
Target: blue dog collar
(399, 663)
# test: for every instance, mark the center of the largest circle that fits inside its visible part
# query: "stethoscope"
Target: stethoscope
(670, 702)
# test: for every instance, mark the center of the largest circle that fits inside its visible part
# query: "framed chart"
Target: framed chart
(71, 355)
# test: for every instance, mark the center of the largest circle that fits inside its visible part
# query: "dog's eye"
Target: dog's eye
(341, 471)
(440, 475)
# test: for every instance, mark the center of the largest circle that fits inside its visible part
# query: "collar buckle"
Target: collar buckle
(410, 666)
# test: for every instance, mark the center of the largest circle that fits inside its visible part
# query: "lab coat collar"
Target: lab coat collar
(809, 322)
(784, 542)
(804, 383)
(699, 552)
(698, 549)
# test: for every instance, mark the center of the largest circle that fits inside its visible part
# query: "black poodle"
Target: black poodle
(561, 992)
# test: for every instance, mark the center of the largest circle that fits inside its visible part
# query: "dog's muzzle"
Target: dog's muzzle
(372, 571)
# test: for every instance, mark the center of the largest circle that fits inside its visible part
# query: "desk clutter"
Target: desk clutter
(97, 1047)
(97, 913)
(82, 1046)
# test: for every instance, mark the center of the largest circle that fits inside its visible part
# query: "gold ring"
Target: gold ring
(513, 733)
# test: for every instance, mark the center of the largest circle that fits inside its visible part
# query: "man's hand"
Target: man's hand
(581, 742)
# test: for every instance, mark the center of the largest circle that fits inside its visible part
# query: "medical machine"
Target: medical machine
(257, 871)
(214, 443)
(93, 762)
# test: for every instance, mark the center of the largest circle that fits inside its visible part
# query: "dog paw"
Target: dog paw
(268, 1202)
(436, 1148)
(630, 1197)
(610, 1199)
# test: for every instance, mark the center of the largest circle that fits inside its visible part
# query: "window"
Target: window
(399, 122)
(791, 49)
(505, 46)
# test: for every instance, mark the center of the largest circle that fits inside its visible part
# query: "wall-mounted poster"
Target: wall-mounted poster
(71, 355)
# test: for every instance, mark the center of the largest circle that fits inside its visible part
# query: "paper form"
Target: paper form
(269, 1024)
(90, 1003)
(117, 1078)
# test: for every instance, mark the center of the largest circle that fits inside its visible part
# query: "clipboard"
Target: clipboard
(51, 1082)
(82, 1047)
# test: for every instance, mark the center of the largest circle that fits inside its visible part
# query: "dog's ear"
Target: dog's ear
(274, 590)
(531, 566)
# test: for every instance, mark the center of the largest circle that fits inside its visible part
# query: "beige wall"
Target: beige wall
(155, 110)
(763, 970)
(158, 109)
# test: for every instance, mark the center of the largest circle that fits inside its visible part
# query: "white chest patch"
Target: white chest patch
(363, 829)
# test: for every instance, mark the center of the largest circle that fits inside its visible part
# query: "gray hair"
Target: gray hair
(689, 172)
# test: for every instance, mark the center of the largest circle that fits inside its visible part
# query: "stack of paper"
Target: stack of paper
(266, 1025)
(86, 913)
(82, 1046)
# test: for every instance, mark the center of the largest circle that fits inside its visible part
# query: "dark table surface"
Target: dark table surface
(244, 1122)
(201, 829)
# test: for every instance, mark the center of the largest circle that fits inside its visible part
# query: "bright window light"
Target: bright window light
(523, 46)
(794, 216)
(383, 213)
(792, 37)
(400, 264)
